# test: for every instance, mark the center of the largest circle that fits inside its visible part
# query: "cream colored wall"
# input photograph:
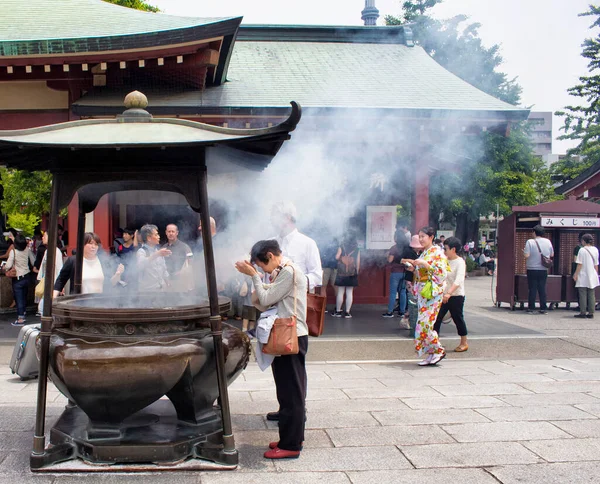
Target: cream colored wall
(36, 95)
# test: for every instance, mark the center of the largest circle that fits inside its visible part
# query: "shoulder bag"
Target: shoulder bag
(592, 256)
(315, 311)
(547, 262)
(283, 339)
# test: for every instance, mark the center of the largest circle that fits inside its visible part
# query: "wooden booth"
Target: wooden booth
(564, 221)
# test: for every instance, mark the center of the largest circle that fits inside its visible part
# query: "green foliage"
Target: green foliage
(543, 182)
(136, 4)
(24, 222)
(498, 169)
(26, 192)
(582, 121)
(458, 48)
(471, 264)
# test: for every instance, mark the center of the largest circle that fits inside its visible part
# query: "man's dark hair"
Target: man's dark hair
(581, 234)
(146, 231)
(261, 248)
(20, 242)
(539, 230)
(587, 238)
(129, 231)
(453, 243)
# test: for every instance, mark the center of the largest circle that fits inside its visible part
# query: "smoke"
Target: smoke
(332, 168)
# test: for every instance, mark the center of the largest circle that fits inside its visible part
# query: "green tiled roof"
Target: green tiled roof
(34, 27)
(328, 75)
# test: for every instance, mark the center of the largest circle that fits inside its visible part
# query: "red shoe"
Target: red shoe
(278, 453)
(273, 445)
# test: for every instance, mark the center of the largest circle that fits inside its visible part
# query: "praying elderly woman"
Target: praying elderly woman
(289, 371)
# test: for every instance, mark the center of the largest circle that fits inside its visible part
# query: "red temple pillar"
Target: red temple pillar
(421, 197)
(103, 222)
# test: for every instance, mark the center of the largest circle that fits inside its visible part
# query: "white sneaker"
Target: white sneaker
(437, 358)
(404, 323)
(427, 361)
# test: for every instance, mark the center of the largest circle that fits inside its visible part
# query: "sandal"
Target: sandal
(461, 348)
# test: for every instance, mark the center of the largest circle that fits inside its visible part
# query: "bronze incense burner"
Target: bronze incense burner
(146, 377)
(114, 357)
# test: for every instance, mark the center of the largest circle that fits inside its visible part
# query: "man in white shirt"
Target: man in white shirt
(586, 276)
(537, 274)
(297, 247)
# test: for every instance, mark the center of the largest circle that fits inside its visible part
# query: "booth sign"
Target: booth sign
(578, 222)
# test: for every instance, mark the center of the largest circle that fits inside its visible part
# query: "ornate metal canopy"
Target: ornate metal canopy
(136, 149)
(133, 151)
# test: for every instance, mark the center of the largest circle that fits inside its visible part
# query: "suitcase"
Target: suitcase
(24, 361)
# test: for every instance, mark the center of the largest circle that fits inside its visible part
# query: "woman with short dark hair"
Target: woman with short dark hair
(22, 259)
(453, 299)
(287, 291)
(95, 269)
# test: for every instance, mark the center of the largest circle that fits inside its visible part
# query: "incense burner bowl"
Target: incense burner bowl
(112, 357)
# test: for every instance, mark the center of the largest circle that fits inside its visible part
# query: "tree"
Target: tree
(496, 170)
(582, 121)
(25, 197)
(458, 48)
(135, 4)
(26, 192)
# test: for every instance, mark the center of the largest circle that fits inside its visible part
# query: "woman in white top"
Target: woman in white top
(58, 264)
(586, 276)
(94, 271)
(21, 258)
(453, 299)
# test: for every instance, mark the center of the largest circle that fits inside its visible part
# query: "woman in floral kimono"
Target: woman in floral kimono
(430, 269)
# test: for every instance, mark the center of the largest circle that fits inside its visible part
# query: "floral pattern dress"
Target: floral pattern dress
(426, 338)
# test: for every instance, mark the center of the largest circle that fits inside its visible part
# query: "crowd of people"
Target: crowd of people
(426, 273)
(136, 260)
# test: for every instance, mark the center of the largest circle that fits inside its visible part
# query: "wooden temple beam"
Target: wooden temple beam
(109, 56)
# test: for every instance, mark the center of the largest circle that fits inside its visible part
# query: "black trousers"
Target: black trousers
(455, 305)
(290, 382)
(536, 281)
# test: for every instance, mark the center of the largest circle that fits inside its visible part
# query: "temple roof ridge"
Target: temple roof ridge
(37, 20)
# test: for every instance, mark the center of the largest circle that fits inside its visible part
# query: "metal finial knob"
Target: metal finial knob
(136, 99)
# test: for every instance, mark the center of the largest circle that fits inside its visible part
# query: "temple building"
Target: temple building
(373, 101)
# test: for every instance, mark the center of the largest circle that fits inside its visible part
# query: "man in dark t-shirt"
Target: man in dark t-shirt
(180, 252)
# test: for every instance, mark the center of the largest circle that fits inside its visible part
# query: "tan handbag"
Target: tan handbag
(39, 288)
(283, 339)
(316, 305)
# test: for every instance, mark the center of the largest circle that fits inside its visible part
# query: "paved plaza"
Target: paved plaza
(522, 405)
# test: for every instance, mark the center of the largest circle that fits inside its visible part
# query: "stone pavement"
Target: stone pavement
(471, 421)
(516, 408)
